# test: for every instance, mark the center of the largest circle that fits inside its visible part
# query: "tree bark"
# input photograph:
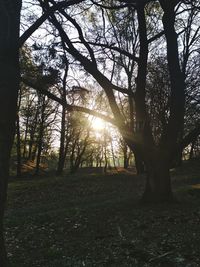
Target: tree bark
(139, 163)
(174, 131)
(158, 183)
(9, 86)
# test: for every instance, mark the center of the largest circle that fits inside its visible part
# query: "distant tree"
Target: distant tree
(47, 115)
(63, 140)
(126, 153)
(80, 141)
(36, 112)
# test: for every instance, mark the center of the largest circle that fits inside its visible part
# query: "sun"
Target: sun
(98, 124)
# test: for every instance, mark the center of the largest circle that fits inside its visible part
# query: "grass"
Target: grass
(96, 220)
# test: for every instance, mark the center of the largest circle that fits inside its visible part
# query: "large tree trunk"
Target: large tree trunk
(158, 182)
(139, 163)
(174, 130)
(158, 185)
(9, 86)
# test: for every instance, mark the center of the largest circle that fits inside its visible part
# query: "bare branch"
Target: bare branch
(156, 37)
(68, 107)
(81, 37)
(64, 4)
(117, 49)
(113, 6)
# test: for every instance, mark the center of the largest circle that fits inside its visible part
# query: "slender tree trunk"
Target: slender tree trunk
(38, 160)
(100, 162)
(113, 155)
(72, 157)
(32, 150)
(19, 156)
(125, 150)
(125, 161)
(40, 137)
(97, 163)
(9, 86)
(76, 162)
(31, 142)
(25, 138)
(104, 148)
(30, 147)
(62, 154)
(61, 160)
(106, 160)
(18, 148)
(191, 155)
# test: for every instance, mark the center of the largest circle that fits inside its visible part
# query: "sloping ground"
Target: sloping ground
(96, 220)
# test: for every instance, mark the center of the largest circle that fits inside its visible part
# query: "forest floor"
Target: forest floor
(97, 220)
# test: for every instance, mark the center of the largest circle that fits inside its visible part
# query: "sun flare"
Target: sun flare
(98, 124)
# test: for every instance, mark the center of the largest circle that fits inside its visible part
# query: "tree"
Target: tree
(37, 113)
(47, 115)
(156, 156)
(9, 87)
(126, 153)
(63, 140)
